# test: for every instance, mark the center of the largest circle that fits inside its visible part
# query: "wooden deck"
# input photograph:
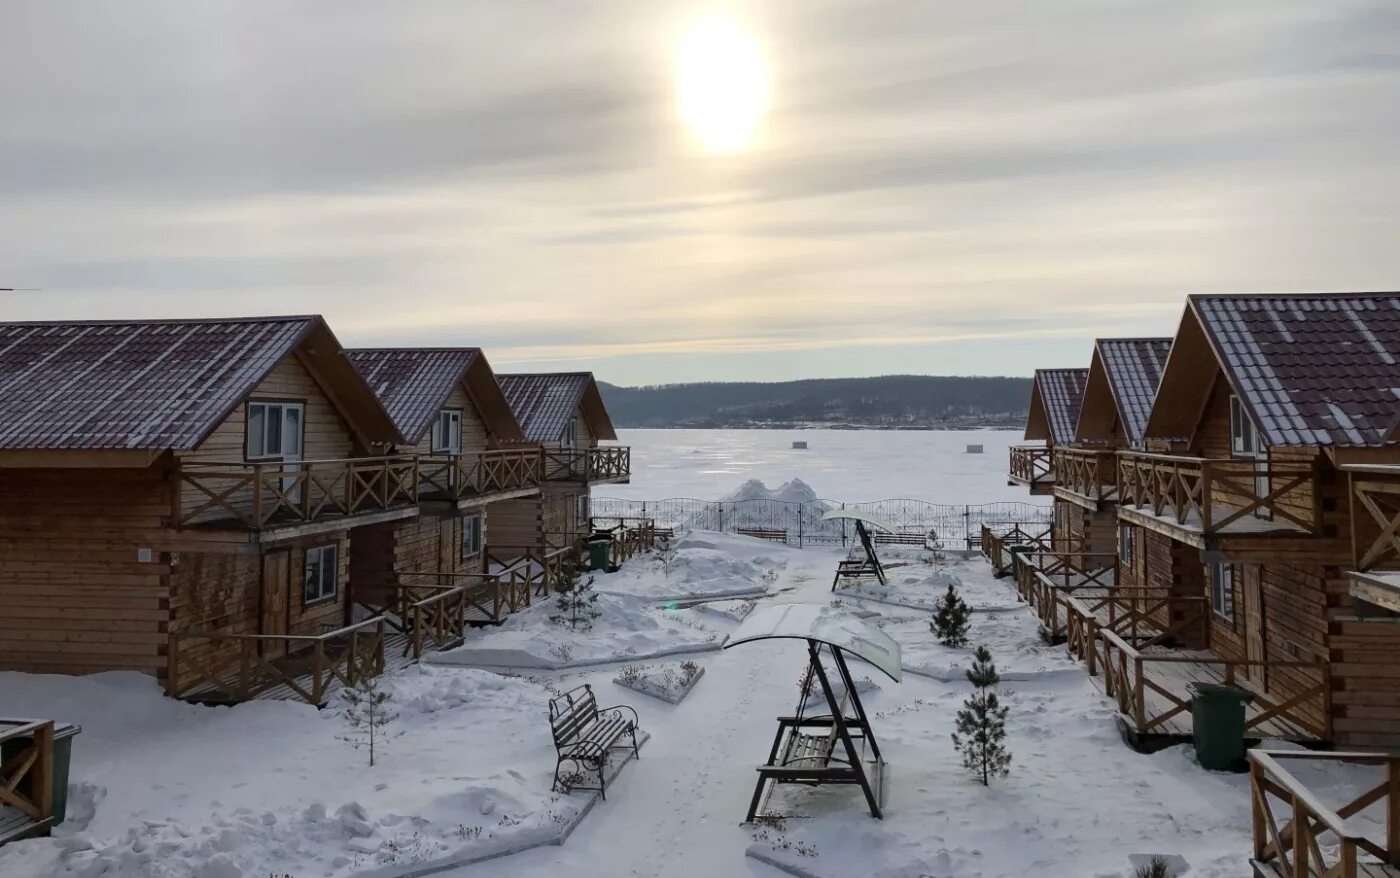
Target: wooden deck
(1363, 870)
(15, 825)
(398, 654)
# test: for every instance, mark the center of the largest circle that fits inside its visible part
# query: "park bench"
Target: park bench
(903, 538)
(764, 533)
(584, 734)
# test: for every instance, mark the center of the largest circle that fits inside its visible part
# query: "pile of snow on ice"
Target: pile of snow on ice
(795, 491)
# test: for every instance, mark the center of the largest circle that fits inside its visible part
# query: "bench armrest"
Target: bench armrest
(636, 721)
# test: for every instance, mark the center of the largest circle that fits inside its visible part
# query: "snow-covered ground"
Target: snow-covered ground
(853, 466)
(703, 566)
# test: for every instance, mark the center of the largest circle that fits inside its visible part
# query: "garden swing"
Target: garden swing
(818, 743)
(869, 564)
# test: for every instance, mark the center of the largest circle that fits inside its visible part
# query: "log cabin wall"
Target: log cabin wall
(325, 434)
(433, 544)
(559, 514)
(517, 522)
(1365, 681)
(74, 596)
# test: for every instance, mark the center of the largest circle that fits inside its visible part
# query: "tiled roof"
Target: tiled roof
(1062, 393)
(1312, 369)
(543, 404)
(1134, 369)
(413, 383)
(132, 384)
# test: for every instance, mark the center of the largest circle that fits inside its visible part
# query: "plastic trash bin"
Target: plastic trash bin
(599, 553)
(63, 734)
(1217, 718)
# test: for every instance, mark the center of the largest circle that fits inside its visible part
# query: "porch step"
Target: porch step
(1272, 869)
(15, 825)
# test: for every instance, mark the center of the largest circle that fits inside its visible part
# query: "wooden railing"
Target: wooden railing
(239, 667)
(485, 472)
(1087, 473)
(1380, 498)
(1316, 840)
(1128, 680)
(26, 777)
(493, 595)
(996, 545)
(526, 570)
(1143, 617)
(1213, 494)
(1031, 466)
(629, 538)
(603, 462)
(257, 495)
(429, 607)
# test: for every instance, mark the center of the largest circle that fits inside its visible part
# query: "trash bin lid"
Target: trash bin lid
(1219, 690)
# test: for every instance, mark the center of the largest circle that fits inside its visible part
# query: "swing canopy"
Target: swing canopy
(813, 622)
(864, 517)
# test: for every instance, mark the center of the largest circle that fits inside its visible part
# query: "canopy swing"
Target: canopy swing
(870, 565)
(817, 744)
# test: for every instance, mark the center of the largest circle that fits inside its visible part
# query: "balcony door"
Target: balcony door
(1246, 444)
(276, 576)
(1254, 621)
(275, 434)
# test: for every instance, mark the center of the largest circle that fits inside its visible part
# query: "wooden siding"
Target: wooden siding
(474, 434)
(74, 598)
(558, 515)
(518, 522)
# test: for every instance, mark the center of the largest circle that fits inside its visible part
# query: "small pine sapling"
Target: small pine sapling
(577, 603)
(951, 619)
(981, 723)
(368, 715)
(666, 554)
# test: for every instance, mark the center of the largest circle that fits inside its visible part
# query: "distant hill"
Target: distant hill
(887, 402)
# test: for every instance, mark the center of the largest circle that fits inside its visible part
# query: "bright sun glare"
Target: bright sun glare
(722, 83)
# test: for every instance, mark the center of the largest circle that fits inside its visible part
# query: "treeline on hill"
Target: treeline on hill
(889, 401)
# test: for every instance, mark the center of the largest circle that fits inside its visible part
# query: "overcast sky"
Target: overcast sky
(939, 187)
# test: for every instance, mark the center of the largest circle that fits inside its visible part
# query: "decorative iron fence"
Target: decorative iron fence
(951, 525)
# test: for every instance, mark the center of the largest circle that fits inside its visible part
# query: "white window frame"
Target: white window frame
(1222, 590)
(255, 445)
(1244, 437)
(582, 510)
(327, 584)
(570, 439)
(447, 432)
(471, 527)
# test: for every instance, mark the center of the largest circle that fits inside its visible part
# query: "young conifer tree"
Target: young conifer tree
(981, 723)
(368, 714)
(576, 604)
(951, 619)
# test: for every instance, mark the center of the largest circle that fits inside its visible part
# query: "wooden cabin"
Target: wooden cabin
(182, 497)
(1056, 396)
(1118, 395)
(457, 424)
(562, 413)
(1265, 450)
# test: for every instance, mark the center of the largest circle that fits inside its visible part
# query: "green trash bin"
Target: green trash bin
(62, 753)
(1217, 717)
(599, 553)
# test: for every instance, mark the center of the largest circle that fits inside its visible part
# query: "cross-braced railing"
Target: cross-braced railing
(429, 607)
(997, 543)
(26, 776)
(1212, 495)
(263, 494)
(474, 474)
(1090, 473)
(219, 667)
(1377, 547)
(1302, 836)
(597, 464)
(1031, 466)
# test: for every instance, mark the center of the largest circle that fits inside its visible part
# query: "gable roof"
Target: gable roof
(415, 383)
(160, 384)
(1311, 369)
(1056, 396)
(1133, 367)
(544, 403)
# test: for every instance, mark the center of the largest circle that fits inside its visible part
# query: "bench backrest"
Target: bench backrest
(571, 712)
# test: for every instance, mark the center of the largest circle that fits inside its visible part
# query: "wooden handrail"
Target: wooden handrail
(1217, 492)
(258, 493)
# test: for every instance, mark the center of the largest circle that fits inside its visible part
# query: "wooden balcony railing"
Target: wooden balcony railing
(628, 538)
(214, 667)
(602, 463)
(1298, 835)
(1143, 617)
(26, 776)
(259, 495)
(1213, 496)
(1377, 547)
(997, 544)
(458, 476)
(428, 607)
(1149, 693)
(526, 570)
(1031, 466)
(486, 597)
(1088, 473)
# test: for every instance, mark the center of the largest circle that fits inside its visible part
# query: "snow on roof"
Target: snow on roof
(1134, 369)
(1062, 393)
(413, 383)
(1312, 369)
(818, 622)
(856, 515)
(544, 403)
(141, 384)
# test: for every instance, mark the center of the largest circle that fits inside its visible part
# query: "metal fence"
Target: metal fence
(950, 524)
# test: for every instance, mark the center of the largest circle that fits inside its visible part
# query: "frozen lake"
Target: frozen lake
(846, 465)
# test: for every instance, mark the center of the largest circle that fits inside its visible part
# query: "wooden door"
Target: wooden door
(447, 548)
(1254, 620)
(276, 581)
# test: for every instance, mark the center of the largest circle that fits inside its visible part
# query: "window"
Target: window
(1126, 546)
(1222, 590)
(322, 570)
(570, 433)
(1244, 441)
(274, 431)
(471, 536)
(447, 432)
(581, 511)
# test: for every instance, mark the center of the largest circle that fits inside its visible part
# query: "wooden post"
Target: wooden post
(351, 665)
(245, 648)
(318, 663)
(1207, 507)
(1140, 703)
(1256, 801)
(1090, 634)
(303, 481)
(257, 495)
(1301, 857)
(42, 770)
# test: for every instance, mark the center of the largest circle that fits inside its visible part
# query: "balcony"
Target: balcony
(498, 475)
(1031, 468)
(308, 495)
(612, 463)
(1375, 500)
(1194, 499)
(1087, 477)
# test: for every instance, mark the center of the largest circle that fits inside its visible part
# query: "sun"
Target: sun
(722, 83)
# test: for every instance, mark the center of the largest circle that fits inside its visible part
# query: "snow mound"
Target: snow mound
(795, 491)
